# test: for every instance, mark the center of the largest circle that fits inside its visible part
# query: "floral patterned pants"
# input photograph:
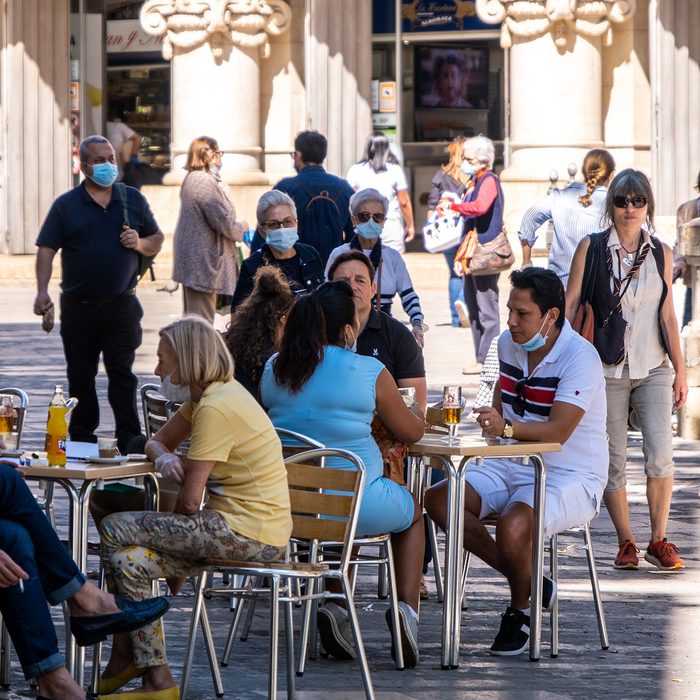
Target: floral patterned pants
(138, 547)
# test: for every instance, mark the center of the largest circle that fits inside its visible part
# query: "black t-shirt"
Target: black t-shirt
(390, 342)
(93, 261)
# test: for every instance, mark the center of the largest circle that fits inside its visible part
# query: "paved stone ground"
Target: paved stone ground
(652, 617)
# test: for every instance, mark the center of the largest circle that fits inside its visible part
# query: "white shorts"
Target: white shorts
(500, 482)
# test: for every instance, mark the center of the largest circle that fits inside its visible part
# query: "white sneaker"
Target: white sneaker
(462, 313)
(334, 629)
(408, 624)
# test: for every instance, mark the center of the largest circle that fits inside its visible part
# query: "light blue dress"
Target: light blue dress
(336, 407)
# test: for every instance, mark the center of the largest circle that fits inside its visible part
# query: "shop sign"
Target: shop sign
(127, 36)
(427, 16)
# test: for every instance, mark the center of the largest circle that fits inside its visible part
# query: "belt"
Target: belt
(98, 301)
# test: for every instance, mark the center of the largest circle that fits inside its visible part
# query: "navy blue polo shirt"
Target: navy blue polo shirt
(94, 263)
(390, 342)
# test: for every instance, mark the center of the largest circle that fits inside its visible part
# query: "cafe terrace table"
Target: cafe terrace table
(86, 475)
(470, 449)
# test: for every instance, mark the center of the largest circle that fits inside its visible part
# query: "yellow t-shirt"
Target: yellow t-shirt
(248, 484)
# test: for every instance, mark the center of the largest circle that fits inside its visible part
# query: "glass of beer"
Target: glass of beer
(452, 411)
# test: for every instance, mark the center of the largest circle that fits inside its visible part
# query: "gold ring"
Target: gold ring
(486, 423)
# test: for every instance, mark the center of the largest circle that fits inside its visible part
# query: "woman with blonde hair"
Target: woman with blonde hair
(205, 258)
(449, 184)
(576, 211)
(235, 456)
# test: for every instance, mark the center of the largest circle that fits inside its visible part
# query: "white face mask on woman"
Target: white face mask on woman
(177, 393)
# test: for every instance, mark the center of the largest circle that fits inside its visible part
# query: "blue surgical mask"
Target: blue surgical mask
(104, 174)
(468, 169)
(282, 239)
(369, 229)
(537, 341)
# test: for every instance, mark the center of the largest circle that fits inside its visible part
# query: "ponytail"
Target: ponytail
(317, 319)
(598, 166)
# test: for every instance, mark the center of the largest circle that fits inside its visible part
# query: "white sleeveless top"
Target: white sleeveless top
(640, 304)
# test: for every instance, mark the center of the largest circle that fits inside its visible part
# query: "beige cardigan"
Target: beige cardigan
(204, 249)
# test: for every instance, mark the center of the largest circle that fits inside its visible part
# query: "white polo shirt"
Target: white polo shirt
(570, 372)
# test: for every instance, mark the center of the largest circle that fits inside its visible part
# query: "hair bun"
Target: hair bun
(270, 281)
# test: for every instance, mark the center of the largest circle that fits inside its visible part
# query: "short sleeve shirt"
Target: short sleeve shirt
(388, 182)
(390, 342)
(571, 372)
(94, 263)
(248, 484)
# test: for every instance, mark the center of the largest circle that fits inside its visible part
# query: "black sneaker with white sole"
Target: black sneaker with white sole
(334, 630)
(514, 636)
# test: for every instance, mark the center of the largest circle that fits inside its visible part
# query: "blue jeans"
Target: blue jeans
(454, 288)
(28, 538)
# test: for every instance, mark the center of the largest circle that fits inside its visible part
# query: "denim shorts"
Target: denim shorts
(500, 482)
(652, 400)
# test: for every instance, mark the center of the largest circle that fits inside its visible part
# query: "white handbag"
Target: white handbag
(443, 232)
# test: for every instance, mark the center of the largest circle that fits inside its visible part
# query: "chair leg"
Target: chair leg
(394, 602)
(97, 649)
(359, 646)
(595, 588)
(192, 639)
(465, 575)
(235, 622)
(251, 610)
(5, 653)
(437, 568)
(382, 587)
(211, 651)
(289, 637)
(554, 612)
(274, 632)
(308, 625)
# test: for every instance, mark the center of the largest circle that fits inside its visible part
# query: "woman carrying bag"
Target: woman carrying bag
(482, 207)
(636, 333)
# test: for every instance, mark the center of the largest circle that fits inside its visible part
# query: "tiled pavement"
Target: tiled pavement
(653, 618)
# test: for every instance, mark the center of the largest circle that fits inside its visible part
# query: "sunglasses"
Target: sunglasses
(364, 216)
(638, 201)
(519, 398)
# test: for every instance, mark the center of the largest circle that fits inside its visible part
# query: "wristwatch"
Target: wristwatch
(507, 431)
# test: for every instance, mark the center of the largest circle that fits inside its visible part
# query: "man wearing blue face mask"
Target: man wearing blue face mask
(550, 389)
(100, 314)
(277, 222)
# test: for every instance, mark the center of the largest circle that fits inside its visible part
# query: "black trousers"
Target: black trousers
(481, 298)
(113, 330)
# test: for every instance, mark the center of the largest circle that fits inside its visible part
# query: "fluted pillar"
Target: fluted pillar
(215, 47)
(555, 76)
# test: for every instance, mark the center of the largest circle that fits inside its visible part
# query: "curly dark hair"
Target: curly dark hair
(254, 324)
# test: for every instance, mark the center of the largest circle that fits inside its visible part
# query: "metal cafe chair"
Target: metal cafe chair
(554, 574)
(325, 504)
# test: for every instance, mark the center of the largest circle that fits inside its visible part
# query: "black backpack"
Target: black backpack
(321, 223)
(145, 261)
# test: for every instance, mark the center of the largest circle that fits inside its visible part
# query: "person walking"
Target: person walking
(380, 169)
(321, 199)
(687, 212)
(450, 179)
(575, 211)
(205, 257)
(636, 333)
(100, 313)
(482, 209)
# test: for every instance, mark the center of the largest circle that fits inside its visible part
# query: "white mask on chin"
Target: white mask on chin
(177, 393)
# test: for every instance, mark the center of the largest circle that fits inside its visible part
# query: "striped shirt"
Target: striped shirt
(572, 221)
(394, 280)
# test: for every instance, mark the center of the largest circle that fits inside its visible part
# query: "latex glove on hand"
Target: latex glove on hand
(170, 466)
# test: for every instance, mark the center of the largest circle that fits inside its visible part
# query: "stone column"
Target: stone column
(215, 47)
(555, 78)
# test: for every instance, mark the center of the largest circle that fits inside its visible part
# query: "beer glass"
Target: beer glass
(451, 411)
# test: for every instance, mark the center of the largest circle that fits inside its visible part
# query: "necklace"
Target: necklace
(631, 255)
